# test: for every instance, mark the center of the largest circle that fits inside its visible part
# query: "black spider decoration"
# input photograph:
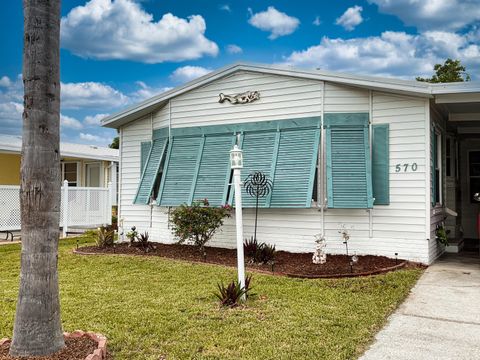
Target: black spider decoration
(257, 185)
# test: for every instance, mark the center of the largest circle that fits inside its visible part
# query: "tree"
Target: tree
(450, 71)
(115, 143)
(37, 329)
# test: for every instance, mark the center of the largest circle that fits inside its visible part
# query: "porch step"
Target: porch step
(454, 246)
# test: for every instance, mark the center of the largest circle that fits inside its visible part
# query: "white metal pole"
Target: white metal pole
(239, 227)
(65, 208)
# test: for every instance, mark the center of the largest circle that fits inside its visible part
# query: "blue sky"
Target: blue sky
(119, 52)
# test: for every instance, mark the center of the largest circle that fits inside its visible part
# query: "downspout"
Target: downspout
(321, 164)
(370, 136)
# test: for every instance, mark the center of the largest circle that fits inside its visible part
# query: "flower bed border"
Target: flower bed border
(100, 352)
(291, 275)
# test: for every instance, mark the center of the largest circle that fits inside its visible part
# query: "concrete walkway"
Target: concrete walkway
(441, 317)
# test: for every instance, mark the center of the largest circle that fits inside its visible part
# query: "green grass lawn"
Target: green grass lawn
(149, 307)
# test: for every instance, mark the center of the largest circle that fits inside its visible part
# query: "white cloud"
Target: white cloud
(226, 8)
(5, 81)
(94, 120)
(275, 22)
(317, 21)
(11, 117)
(351, 18)
(121, 29)
(70, 122)
(91, 95)
(391, 54)
(432, 14)
(234, 49)
(187, 73)
(92, 138)
(145, 91)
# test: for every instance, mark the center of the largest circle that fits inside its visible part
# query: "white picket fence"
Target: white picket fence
(87, 207)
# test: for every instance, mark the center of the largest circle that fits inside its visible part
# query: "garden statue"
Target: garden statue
(320, 255)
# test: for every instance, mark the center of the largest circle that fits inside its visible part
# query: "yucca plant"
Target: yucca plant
(231, 294)
(143, 241)
(105, 237)
(250, 248)
(265, 254)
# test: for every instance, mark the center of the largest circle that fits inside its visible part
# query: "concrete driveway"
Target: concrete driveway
(441, 317)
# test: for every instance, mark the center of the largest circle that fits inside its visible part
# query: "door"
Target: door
(93, 175)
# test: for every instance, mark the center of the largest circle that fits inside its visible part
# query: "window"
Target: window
(197, 163)
(437, 183)
(448, 156)
(474, 174)
(70, 173)
(349, 177)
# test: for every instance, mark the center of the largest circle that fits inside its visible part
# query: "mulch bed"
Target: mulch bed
(75, 349)
(286, 263)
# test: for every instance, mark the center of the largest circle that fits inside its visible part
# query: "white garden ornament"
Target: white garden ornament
(320, 255)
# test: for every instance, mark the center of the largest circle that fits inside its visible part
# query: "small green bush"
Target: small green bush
(230, 295)
(198, 223)
(132, 235)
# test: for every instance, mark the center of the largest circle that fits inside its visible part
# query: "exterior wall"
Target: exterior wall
(400, 227)
(10, 165)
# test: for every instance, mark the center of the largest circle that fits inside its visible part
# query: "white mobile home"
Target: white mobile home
(386, 159)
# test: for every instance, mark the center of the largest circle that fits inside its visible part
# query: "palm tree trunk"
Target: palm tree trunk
(38, 329)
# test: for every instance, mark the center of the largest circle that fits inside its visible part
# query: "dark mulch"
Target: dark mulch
(299, 264)
(75, 349)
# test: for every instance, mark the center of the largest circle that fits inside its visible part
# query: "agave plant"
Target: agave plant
(250, 248)
(143, 240)
(231, 294)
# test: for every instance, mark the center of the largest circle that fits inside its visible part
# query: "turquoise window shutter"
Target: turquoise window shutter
(349, 179)
(380, 164)
(150, 171)
(144, 151)
(258, 155)
(213, 172)
(181, 167)
(294, 172)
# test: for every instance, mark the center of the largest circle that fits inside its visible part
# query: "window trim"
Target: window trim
(77, 182)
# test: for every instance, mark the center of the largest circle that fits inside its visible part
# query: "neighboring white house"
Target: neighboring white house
(383, 158)
(82, 165)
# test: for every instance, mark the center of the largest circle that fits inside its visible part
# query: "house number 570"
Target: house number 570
(406, 167)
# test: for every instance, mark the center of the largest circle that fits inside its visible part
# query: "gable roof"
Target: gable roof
(398, 86)
(13, 144)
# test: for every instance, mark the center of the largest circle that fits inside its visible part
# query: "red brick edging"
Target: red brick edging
(100, 352)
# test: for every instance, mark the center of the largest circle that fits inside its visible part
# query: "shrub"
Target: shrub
(250, 247)
(265, 254)
(260, 253)
(143, 240)
(231, 294)
(132, 235)
(105, 236)
(198, 223)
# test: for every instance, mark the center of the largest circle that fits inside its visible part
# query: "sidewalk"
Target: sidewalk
(441, 317)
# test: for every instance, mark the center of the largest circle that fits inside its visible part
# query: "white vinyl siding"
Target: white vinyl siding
(396, 228)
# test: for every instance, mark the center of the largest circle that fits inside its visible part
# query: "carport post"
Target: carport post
(65, 209)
